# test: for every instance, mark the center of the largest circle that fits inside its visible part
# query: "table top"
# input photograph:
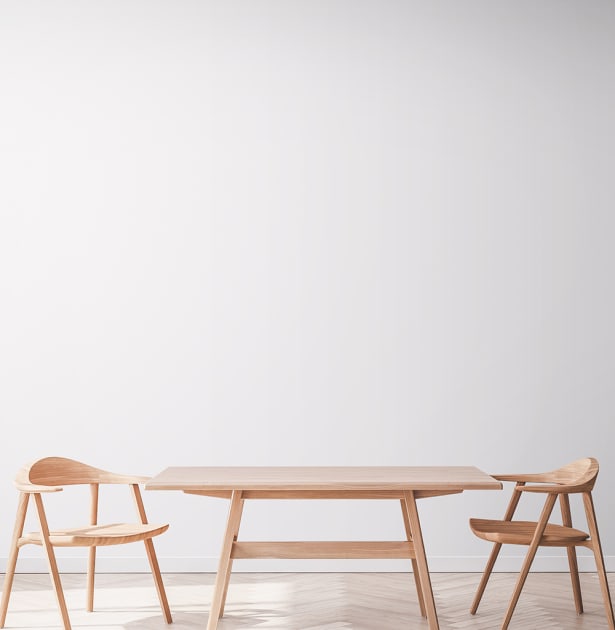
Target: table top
(319, 478)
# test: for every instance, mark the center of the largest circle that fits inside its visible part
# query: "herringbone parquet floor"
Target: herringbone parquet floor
(306, 601)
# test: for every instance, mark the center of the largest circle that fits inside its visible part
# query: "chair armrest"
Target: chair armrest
(108, 477)
(33, 488)
(139, 480)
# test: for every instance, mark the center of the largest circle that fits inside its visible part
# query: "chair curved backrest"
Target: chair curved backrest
(580, 472)
(61, 471)
(51, 474)
(577, 477)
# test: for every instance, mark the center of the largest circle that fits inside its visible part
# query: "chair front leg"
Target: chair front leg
(495, 550)
(597, 549)
(22, 509)
(89, 604)
(529, 558)
(493, 556)
(51, 561)
(151, 556)
(155, 568)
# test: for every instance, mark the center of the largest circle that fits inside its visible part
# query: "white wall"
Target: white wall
(324, 232)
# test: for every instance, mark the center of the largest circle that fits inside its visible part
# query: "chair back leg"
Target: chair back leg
(89, 604)
(89, 597)
(571, 551)
(592, 524)
(22, 508)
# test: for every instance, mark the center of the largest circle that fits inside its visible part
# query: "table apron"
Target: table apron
(322, 494)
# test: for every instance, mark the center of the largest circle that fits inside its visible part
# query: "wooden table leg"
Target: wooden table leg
(230, 564)
(415, 568)
(225, 563)
(421, 560)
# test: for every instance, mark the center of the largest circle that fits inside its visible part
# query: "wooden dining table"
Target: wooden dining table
(404, 484)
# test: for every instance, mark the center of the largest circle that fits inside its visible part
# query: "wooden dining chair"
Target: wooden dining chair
(577, 477)
(49, 475)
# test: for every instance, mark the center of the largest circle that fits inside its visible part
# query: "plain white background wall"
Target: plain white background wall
(324, 232)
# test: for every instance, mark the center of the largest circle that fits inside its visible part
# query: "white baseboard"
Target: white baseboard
(437, 564)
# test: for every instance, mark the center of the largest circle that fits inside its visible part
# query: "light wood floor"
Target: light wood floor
(306, 601)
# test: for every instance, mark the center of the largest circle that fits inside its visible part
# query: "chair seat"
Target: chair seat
(97, 535)
(522, 532)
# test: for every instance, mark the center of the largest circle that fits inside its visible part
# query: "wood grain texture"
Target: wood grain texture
(325, 478)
